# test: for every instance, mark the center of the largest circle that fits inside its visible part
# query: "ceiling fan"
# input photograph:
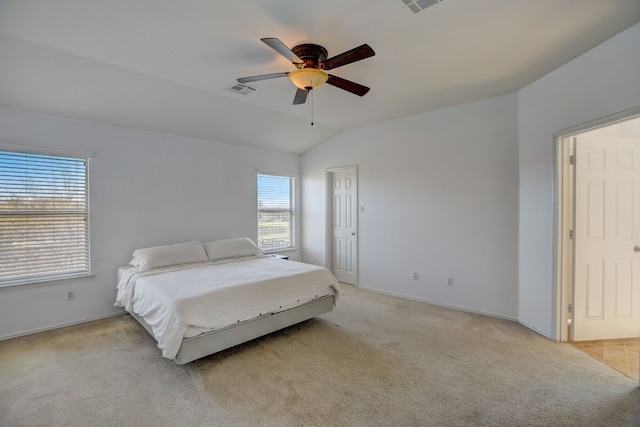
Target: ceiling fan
(311, 62)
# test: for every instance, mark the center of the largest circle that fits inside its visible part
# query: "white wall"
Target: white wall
(440, 192)
(145, 189)
(601, 82)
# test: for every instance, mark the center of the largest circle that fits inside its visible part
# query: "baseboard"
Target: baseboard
(440, 304)
(536, 330)
(393, 294)
(61, 325)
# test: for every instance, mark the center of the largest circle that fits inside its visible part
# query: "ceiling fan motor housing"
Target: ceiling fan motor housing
(313, 55)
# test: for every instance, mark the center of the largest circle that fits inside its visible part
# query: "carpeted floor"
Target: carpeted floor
(374, 361)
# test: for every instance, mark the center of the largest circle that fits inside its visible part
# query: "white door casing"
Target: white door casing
(606, 286)
(344, 242)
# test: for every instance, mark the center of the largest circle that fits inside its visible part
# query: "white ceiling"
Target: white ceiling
(164, 65)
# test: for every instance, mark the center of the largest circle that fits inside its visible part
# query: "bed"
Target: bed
(197, 299)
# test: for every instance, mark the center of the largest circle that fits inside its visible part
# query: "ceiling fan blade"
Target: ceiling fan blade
(349, 86)
(353, 55)
(300, 97)
(262, 77)
(282, 49)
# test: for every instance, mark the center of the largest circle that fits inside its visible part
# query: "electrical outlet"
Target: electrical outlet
(71, 295)
(450, 281)
(416, 276)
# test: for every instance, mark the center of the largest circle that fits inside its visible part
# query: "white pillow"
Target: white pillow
(163, 256)
(231, 248)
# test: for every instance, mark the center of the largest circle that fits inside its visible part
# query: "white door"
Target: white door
(344, 246)
(606, 292)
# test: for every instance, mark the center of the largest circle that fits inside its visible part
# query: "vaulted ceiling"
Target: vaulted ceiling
(165, 66)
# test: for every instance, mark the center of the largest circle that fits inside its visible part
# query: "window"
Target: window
(44, 217)
(276, 212)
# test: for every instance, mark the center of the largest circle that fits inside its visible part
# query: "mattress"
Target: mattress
(178, 302)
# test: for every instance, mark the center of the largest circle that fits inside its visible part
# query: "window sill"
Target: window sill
(38, 283)
(278, 250)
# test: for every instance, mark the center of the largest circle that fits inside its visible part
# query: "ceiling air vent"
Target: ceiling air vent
(242, 89)
(419, 5)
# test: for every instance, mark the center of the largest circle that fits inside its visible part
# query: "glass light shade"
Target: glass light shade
(308, 77)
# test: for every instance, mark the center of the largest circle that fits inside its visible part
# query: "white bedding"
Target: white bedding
(212, 295)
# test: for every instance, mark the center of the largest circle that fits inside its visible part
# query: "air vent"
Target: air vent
(242, 89)
(419, 5)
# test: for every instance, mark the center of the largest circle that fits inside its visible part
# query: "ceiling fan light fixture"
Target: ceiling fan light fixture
(305, 78)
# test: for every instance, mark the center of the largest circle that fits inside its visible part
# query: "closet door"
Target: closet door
(344, 260)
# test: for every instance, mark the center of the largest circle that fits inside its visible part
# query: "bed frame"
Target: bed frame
(220, 339)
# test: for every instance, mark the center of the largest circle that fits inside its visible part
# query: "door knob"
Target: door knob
(354, 233)
(636, 248)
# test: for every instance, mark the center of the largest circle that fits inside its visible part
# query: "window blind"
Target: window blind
(276, 215)
(44, 217)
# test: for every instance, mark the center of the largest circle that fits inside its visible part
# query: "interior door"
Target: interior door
(606, 289)
(344, 249)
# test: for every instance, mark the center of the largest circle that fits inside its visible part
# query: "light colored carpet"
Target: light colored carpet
(374, 361)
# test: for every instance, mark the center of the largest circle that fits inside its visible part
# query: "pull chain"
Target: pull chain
(311, 103)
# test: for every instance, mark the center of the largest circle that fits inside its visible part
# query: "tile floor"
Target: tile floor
(620, 354)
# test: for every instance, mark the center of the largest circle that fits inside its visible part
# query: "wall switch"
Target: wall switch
(71, 295)
(416, 276)
(450, 281)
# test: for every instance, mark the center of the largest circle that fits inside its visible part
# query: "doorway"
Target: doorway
(342, 223)
(598, 236)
